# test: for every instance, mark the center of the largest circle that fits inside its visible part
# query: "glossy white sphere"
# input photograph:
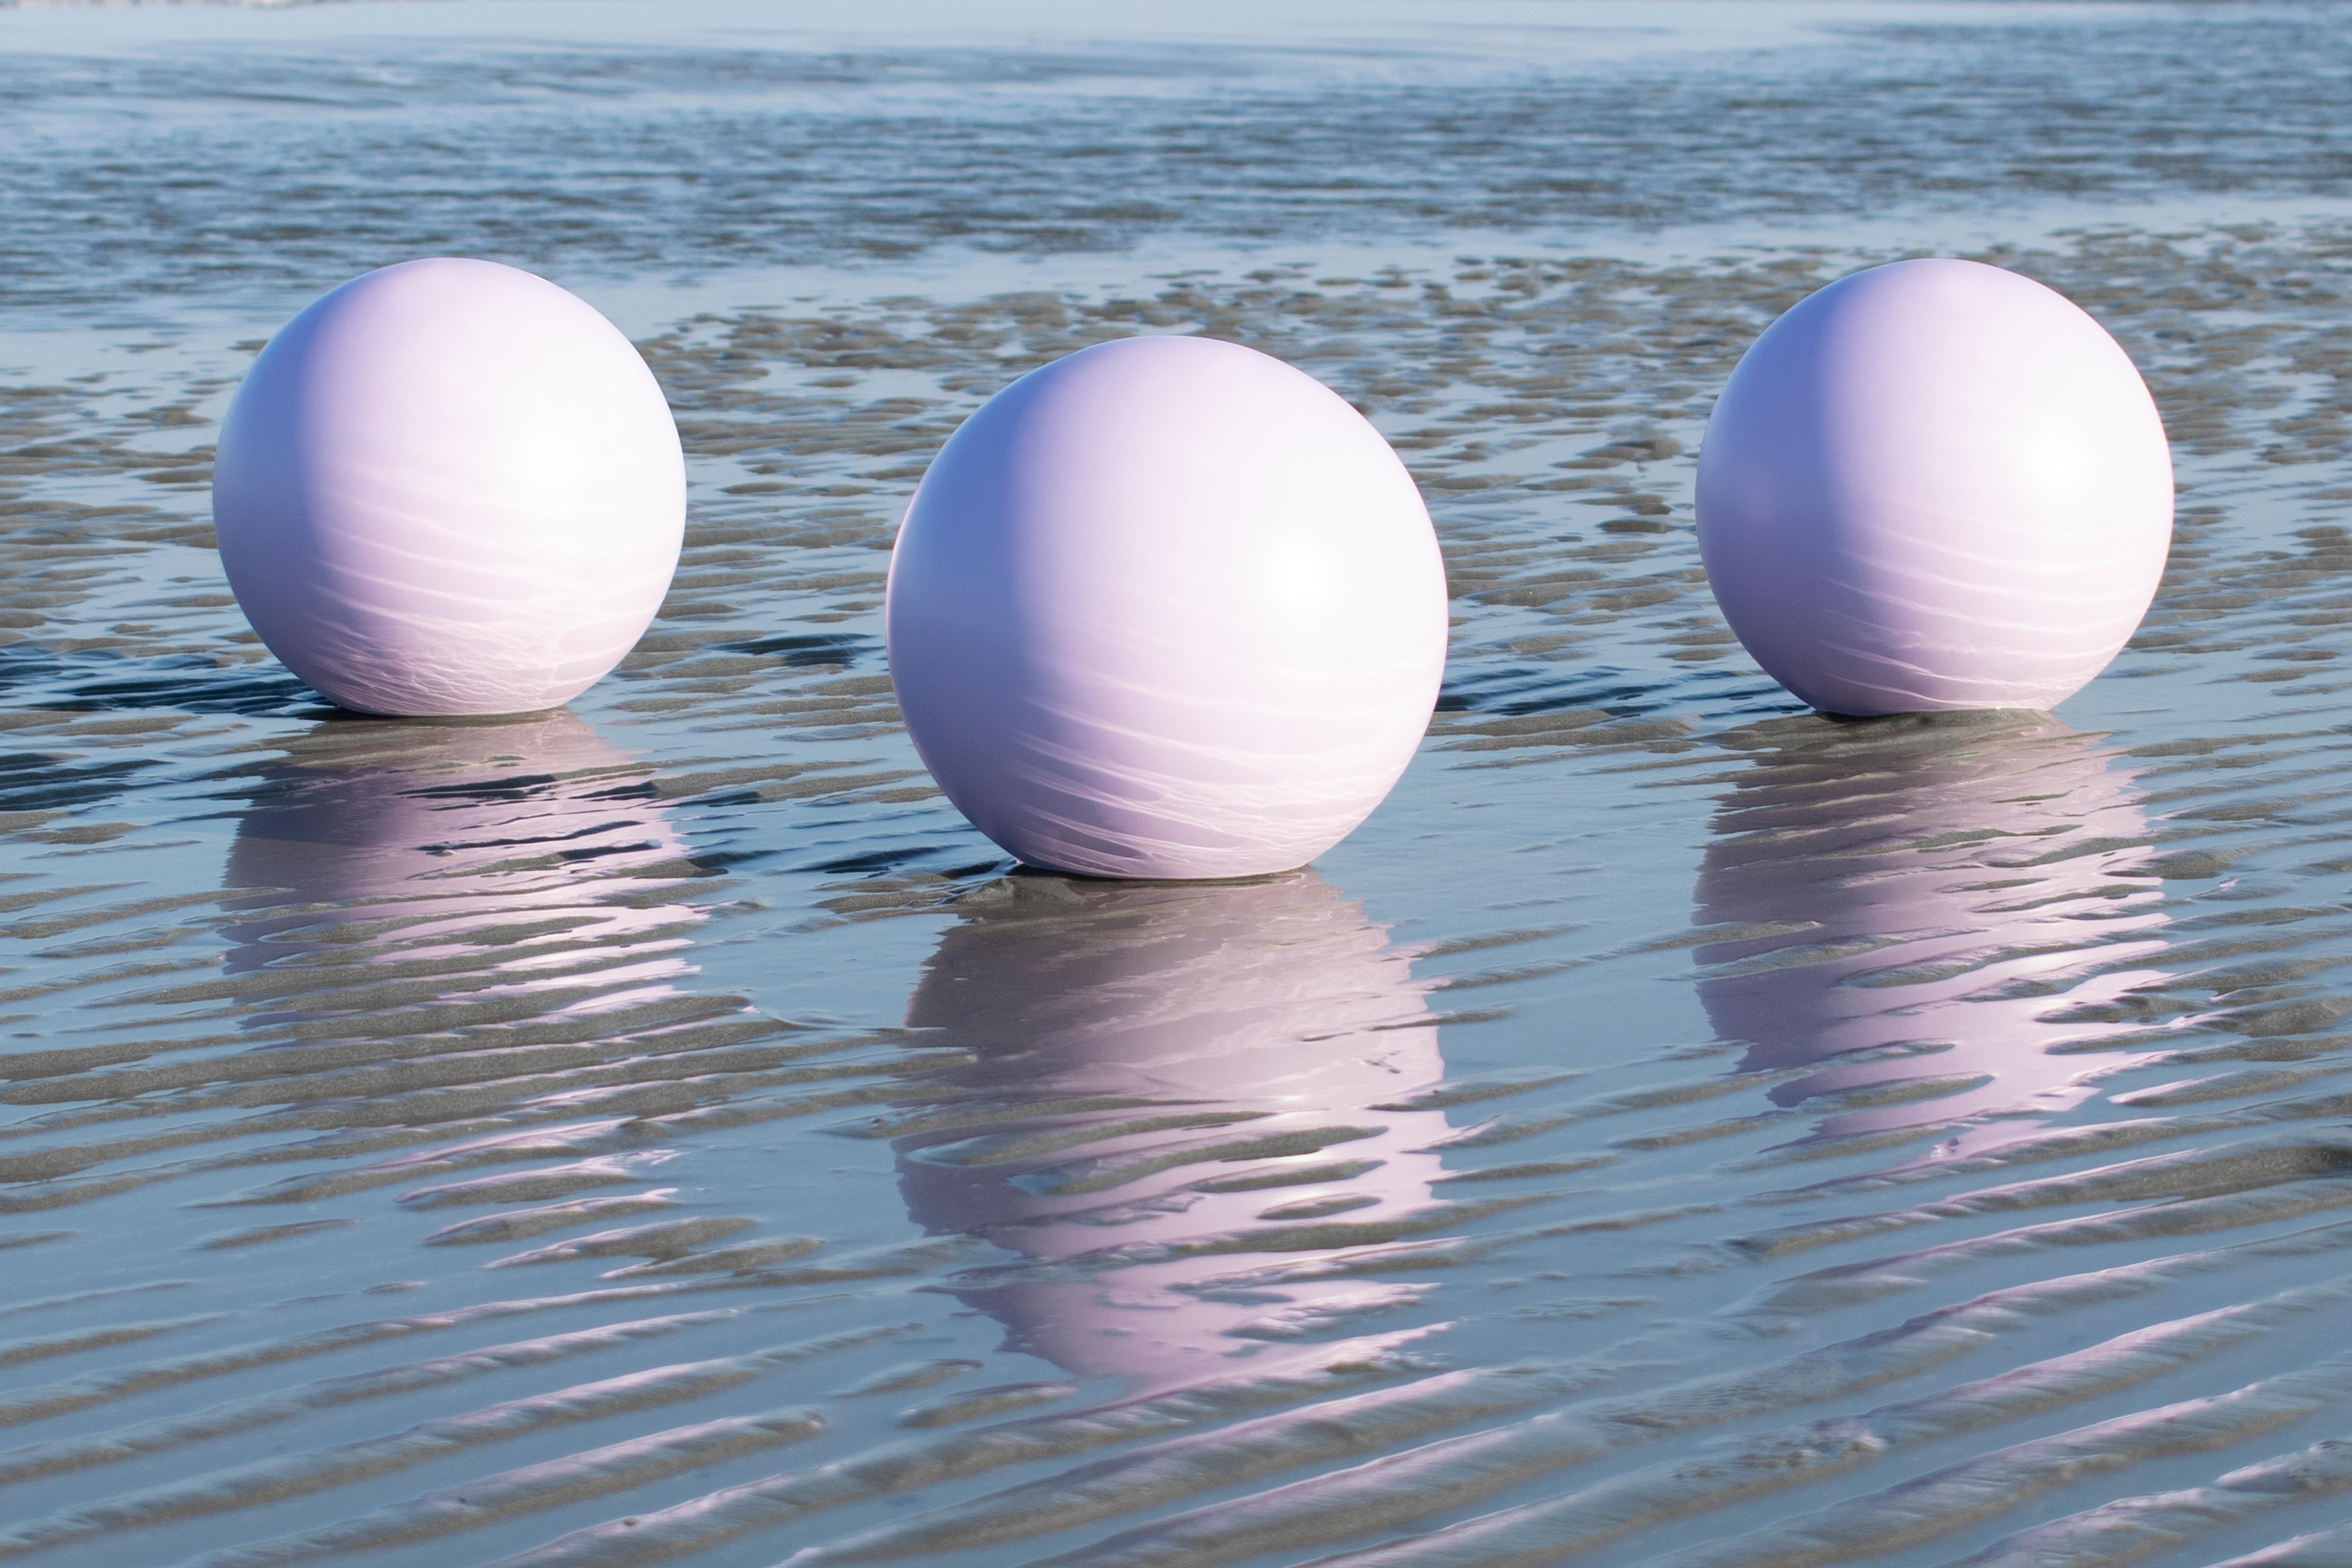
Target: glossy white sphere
(1167, 608)
(1935, 485)
(446, 488)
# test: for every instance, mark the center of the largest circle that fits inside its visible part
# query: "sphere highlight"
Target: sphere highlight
(1167, 608)
(1935, 485)
(449, 487)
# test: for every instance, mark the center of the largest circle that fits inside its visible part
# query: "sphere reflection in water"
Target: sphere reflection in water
(485, 855)
(1954, 896)
(1173, 1085)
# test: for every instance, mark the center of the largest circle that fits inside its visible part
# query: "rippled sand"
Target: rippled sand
(1676, 1128)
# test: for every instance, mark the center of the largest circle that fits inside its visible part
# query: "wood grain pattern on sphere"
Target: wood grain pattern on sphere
(1167, 607)
(1935, 485)
(449, 487)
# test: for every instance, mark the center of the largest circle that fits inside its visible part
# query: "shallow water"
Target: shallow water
(1675, 1127)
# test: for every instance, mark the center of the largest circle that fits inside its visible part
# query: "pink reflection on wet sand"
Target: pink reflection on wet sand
(1173, 1085)
(1956, 902)
(490, 851)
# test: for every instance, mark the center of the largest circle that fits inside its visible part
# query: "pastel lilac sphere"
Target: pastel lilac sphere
(449, 487)
(1167, 608)
(1935, 485)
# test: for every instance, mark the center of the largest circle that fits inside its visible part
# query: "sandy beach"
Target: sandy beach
(1676, 1128)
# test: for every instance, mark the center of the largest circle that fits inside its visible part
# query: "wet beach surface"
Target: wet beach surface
(1676, 1128)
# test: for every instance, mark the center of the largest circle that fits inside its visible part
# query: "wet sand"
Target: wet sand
(1676, 1127)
